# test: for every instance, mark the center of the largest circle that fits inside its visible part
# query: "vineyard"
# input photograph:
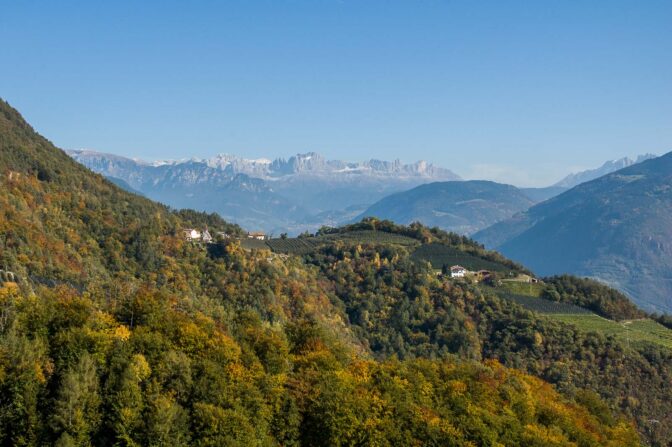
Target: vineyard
(630, 331)
(295, 246)
(541, 305)
(370, 237)
(524, 288)
(253, 244)
(303, 245)
(439, 255)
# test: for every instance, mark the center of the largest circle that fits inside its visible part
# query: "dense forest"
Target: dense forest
(114, 330)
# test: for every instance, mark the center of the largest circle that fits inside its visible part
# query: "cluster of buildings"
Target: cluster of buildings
(193, 235)
(457, 271)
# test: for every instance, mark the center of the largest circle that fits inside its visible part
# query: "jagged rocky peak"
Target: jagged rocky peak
(226, 161)
(310, 163)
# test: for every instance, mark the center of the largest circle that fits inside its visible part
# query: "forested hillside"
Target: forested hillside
(116, 331)
(400, 307)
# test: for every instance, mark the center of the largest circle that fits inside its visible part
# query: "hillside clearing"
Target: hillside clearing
(630, 331)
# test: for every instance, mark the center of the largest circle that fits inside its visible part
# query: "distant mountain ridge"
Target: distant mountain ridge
(308, 163)
(307, 191)
(316, 164)
(608, 167)
(273, 195)
(616, 228)
(463, 206)
(544, 193)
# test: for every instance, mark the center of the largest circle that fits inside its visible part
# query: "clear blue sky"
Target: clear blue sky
(517, 91)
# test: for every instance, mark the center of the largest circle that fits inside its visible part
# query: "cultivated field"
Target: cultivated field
(300, 246)
(253, 244)
(546, 307)
(439, 255)
(370, 237)
(523, 288)
(631, 331)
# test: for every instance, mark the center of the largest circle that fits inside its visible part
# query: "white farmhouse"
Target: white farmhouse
(191, 234)
(457, 271)
(206, 237)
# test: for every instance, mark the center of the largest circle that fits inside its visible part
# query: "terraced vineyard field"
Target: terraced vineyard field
(296, 246)
(370, 237)
(439, 255)
(303, 245)
(631, 331)
(541, 305)
(524, 288)
(253, 244)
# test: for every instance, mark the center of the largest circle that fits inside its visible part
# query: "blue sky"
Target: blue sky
(515, 91)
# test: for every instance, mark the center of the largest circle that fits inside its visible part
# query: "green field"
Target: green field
(296, 246)
(300, 246)
(370, 237)
(250, 244)
(631, 331)
(540, 305)
(546, 307)
(523, 288)
(439, 255)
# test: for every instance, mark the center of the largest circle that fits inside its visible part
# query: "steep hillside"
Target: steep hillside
(123, 185)
(116, 331)
(464, 207)
(574, 179)
(608, 167)
(616, 228)
(60, 221)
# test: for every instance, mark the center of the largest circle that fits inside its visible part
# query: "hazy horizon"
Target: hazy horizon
(491, 175)
(521, 93)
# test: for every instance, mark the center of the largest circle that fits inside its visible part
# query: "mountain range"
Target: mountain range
(466, 207)
(617, 228)
(460, 206)
(303, 192)
(307, 191)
